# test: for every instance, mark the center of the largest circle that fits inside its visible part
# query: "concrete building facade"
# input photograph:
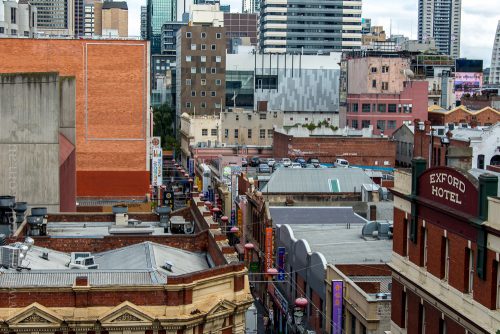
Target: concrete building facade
(240, 26)
(89, 26)
(495, 59)
(381, 94)
(144, 22)
(444, 262)
(55, 18)
(37, 139)
(441, 20)
(302, 27)
(112, 126)
(18, 19)
(114, 19)
(250, 6)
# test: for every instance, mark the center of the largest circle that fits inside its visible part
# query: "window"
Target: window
(213, 47)
(2, 30)
(203, 105)
(13, 15)
(218, 82)
(203, 59)
(188, 104)
(391, 124)
(354, 123)
(213, 70)
(392, 108)
(235, 133)
(193, 70)
(213, 93)
(193, 93)
(13, 31)
(203, 93)
(193, 47)
(262, 115)
(226, 133)
(365, 107)
(496, 272)
(270, 133)
(385, 69)
(470, 269)
(382, 107)
(445, 258)
(480, 161)
(381, 125)
(204, 132)
(188, 82)
(213, 132)
(218, 35)
(425, 247)
(26, 34)
(354, 107)
(374, 83)
(262, 134)
(385, 85)
(237, 117)
(374, 70)
(188, 35)
(249, 134)
(203, 35)
(203, 46)
(188, 58)
(218, 59)
(217, 105)
(365, 124)
(203, 70)
(249, 117)
(275, 114)
(203, 82)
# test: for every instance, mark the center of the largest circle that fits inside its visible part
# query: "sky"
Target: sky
(479, 21)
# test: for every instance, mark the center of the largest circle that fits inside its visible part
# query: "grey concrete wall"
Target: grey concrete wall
(67, 112)
(29, 138)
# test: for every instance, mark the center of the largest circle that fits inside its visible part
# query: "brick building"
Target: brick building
(381, 93)
(112, 122)
(131, 282)
(462, 115)
(240, 25)
(445, 252)
(375, 151)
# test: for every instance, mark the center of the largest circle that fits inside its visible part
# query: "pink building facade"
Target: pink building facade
(381, 94)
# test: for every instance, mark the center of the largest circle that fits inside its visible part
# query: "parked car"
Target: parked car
(301, 161)
(263, 161)
(244, 162)
(313, 161)
(278, 165)
(341, 163)
(264, 168)
(286, 162)
(296, 165)
(254, 161)
(271, 162)
(309, 166)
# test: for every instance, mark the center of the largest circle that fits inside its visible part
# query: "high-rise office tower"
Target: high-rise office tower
(440, 19)
(495, 59)
(115, 19)
(250, 6)
(79, 18)
(89, 19)
(307, 27)
(144, 22)
(159, 12)
(55, 17)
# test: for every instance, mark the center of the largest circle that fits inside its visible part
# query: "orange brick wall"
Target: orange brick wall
(111, 104)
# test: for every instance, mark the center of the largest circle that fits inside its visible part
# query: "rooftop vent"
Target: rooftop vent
(168, 265)
(383, 230)
(82, 260)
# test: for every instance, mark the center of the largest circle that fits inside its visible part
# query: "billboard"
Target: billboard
(467, 83)
(156, 162)
(337, 299)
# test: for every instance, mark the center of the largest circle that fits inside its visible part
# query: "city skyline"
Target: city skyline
(476, 40)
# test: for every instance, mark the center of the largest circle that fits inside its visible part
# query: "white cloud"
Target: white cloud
(479, 21)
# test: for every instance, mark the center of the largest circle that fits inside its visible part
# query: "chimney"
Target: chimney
(373, 212)
(81, 281)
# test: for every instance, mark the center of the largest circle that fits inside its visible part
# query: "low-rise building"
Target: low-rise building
(461, 115)
(404, 138)
(18, 19)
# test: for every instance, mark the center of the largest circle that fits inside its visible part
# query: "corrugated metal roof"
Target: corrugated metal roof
(315, 215)
(316, 180)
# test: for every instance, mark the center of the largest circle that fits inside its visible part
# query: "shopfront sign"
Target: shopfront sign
(269, 248)
(337, 299)
(449, 187)
(281, 264)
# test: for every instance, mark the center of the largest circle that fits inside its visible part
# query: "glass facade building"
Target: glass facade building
(159, 12)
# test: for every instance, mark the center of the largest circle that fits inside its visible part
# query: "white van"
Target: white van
(341, 163)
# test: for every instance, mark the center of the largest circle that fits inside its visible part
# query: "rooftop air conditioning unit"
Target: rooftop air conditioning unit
(121, 219)
(10, 256)
(80, 261)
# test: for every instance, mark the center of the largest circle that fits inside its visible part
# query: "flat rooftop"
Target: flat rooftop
(305, 215)
(138, 264)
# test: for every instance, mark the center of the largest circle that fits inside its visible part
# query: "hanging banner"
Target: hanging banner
(156, 162)
(269, 248)
(337, 296)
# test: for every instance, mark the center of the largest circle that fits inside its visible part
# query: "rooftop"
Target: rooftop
(115, 4)
(312, 215)
(138, 264)
(317, 180)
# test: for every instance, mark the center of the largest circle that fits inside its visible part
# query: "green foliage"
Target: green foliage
(164, 123)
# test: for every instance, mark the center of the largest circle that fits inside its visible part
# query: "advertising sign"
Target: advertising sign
(337, 296)
(467, 83)
(449, 187)
(281, 264)
(169, 199)
(191, 167)
(269, 248)
(233, 217)
(156, 162)
(282, 302)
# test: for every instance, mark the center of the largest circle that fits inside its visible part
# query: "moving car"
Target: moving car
(286, 162)
(264, 168)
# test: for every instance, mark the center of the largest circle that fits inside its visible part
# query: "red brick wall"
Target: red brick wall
(67, 184)
(113, 183)
(367, 150)
(485, 290)
(111, 94)
(315, 318)
(461, 116)
(397, 304)
(399, 230)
